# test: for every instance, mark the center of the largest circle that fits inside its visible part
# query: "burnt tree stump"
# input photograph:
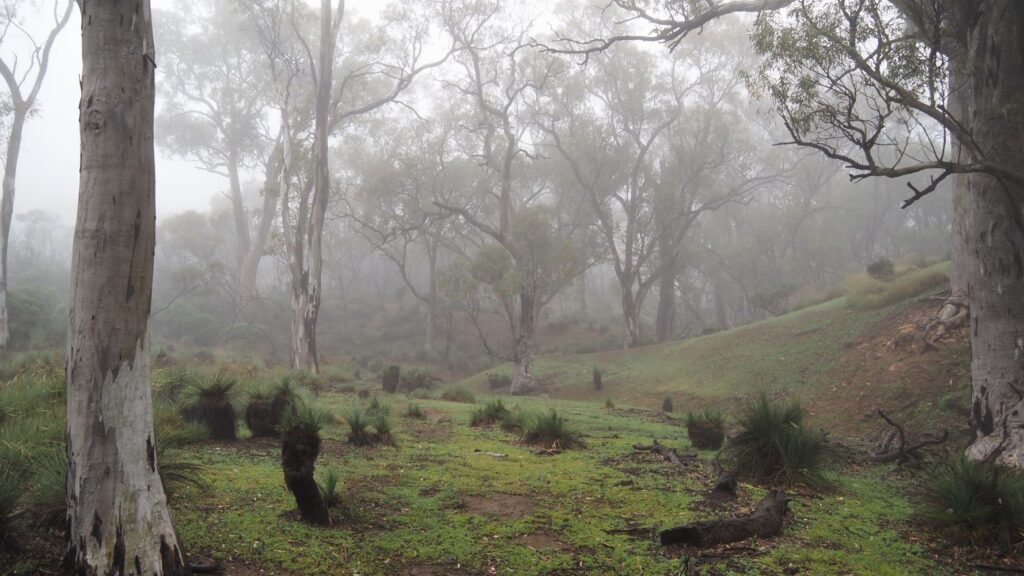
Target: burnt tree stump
(765, 521)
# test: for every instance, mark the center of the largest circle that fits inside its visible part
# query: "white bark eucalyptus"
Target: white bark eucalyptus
(119, 522)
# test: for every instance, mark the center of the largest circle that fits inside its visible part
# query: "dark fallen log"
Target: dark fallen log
(680, 460)
(205, 566)
(765, 521)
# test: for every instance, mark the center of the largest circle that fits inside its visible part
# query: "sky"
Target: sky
(48, 170)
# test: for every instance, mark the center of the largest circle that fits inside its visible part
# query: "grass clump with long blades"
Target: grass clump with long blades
(210, 401)
(980, 503)
(776, 447)
(489, 414)
(551, 431)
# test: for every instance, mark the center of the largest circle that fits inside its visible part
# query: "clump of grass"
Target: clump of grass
(489, 414)
(775, 446)
(12, 490)
(666, 405)
(458, 393)
(551, 431)
(381, 422)
(499, 381)
(706, 429)
(329, 483)
(358, 426)
(210, 401)
(47, 496)
(259, 414)
(514, 421)
(377, 407)
(414, 411)
(177, 469)
(977, 502)
(867, 293)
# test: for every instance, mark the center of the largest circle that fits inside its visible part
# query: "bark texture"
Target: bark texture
(988, 80)
(118, 519)
(522, 380)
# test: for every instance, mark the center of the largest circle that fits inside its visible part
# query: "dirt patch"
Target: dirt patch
(435, 570)
(503, 505)
(543, 540)
(245, 569)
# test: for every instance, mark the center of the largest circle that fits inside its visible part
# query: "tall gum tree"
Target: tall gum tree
(118, 518)
(953, 64)
(23, 84)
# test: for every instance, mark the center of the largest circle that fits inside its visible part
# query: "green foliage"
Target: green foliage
(359, 426)
(47, 494)
(377, 407)
(329, 483)
(381, 422)
(458, 393)
(706, 429)
(304, 418)
(414, 411)
(881, 269)
(774, 446)
(174, 441)
(498, 381)
(12, 491)
(551, 431)
(977, 502)
(489, 414)
(608, 403)
(210, 401)
(867, 293)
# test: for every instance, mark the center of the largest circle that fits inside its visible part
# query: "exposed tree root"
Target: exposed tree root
(903, 453)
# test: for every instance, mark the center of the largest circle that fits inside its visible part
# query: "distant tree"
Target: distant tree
(23, 78)
(118, 518)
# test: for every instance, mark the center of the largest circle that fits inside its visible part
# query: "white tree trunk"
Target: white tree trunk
(119, 522)
(7, 212)
(522, 380)
(989, 79)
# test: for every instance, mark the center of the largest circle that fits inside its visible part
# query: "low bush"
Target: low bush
(980, 503)
(381, 422)
(774, 445)
(418, 379)
(608, 403)
(210, 401)
(358, 421)
(551, 431)
(489, 414)
(706, 429)
(329, 483)
(259, 414)
(499, 381)
(377, 407)
(866, 293)
(458, 393)
(881, 269)
(414, 411)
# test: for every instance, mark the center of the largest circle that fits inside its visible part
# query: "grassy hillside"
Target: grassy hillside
(843, 362)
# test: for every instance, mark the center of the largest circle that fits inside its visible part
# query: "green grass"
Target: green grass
(865, 292)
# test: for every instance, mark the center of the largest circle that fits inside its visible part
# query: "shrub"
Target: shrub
(330, 487)
(377, 407)
(514, 421)
(551, 431)
(706, 430)
(285, 392)
(414, 411)
(458, 393)
(11, 493)
(418, 380)
(978, 502)
(177, 470)
(499, 381)
(381, 422)
(774, 446)
(358, 424)
(259, 414)
(666, 405)
(208, 401)
(866, 293)
(881, 269)
(596, 376)
(489, 414)
(300, 447)
(421, 394)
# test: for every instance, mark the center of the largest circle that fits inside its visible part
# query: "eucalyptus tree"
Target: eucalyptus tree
(23, 70)
(118, 518)
(952, 69)
(217, 99)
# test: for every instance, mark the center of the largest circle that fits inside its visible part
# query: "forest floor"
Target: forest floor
(453, 499)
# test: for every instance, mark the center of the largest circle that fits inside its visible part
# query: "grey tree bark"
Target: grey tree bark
(118, 518)
(22, 103)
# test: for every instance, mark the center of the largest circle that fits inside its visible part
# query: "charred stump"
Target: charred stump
(705, 435)
(259, 417)
(391, 379)
(765, 521)
(299, 451)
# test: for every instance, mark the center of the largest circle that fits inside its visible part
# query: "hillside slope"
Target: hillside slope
(842, 363)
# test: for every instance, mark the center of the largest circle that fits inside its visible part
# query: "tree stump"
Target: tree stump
(765, 521)
(391, 378)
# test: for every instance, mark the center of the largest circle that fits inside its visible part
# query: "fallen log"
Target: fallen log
(667, 453)
(765, 521)
(725, 486)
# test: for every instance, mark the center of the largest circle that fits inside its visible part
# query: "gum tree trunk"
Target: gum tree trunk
(666, 319)
(7, 211)
(988, 76)
(118, 519)
(522, 381)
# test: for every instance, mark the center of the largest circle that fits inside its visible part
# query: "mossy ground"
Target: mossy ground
(443, 503)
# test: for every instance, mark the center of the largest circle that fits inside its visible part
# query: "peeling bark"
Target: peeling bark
(118, 518)
(522, 380)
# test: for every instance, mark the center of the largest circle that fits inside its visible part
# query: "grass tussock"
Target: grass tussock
(864, 292)
(210, 401)
(368, 428)
(551, 430)
(458, 393)
(489, 414)
(979, 503)
(329, 484)
(414, 412)
(706, 429)
(775, 446)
